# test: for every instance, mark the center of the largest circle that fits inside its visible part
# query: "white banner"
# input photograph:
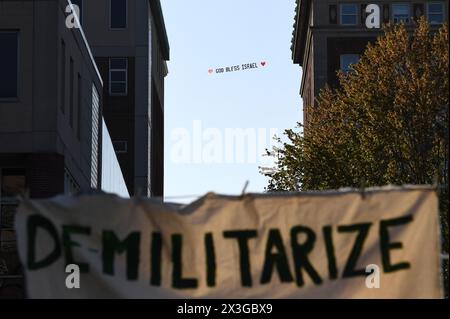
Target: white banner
(344, 244)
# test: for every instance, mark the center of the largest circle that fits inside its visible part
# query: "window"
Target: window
(347, 60)
(349, 14)
(12, 182)
(120, 146)
(79, 3)
(435, 12)
(9, 64)
(332, 14)
(400, 13)
(63, 76)
(71, 93)
(118, 14)
(118, 74)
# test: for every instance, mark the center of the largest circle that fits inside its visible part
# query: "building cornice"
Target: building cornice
(306, 63)
(302, 12)
(155, 8)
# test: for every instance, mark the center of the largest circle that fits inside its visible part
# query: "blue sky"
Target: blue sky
(205, 34)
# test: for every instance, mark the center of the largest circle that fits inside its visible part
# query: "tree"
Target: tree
(386, 123)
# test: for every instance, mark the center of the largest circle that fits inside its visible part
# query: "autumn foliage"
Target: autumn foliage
(387, 123)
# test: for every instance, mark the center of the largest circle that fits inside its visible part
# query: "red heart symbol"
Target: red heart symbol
(263, 63)
(210, 71)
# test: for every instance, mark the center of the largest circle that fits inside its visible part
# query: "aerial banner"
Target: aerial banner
(380, 243)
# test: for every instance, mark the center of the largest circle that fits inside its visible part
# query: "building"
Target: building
(50, 115)
(129, 42)
(330, 35)
(50, 99)
(81, 105)
(51, 124)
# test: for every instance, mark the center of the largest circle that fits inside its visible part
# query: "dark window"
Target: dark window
(12, 183)
(80, 105)
(418, 10)
(347, 60)
(363, 14)
(63, 76)
(435, 12)
(79, 3)
(349, 14)
(71, 93)
(118, 14)
(118, 74)
(386, 14)
(401, 13)
(120, 146)
(9, 59)
(332, 14)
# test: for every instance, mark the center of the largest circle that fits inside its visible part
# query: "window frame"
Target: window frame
(110, 70)
(17, 97)
(110, 16)
(409, 12)
(341, 14)
(441, 3)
